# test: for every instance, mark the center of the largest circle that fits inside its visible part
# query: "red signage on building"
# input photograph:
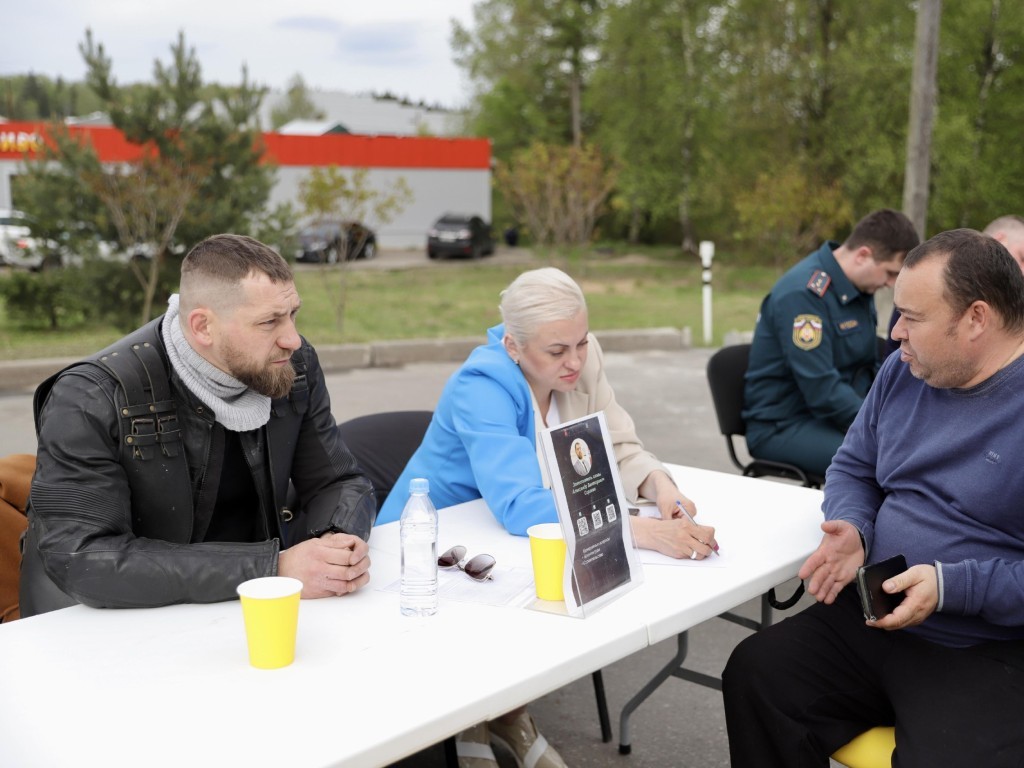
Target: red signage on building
(18, 140)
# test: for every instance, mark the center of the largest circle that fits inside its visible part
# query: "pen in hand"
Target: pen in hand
(681, 508)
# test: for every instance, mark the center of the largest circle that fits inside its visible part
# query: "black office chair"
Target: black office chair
(726, 371)
(383, 443)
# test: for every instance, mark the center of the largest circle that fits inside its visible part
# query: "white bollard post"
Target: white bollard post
(707, 254)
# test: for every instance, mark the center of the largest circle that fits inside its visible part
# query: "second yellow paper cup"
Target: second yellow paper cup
(547, 546)
(270, 607)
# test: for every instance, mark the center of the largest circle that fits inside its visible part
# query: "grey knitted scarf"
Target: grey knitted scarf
(234, 405)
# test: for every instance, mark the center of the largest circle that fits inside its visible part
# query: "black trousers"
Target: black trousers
(797, 691)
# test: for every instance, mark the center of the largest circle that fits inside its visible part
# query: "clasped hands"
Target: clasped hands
(334, 564)
(834, 564)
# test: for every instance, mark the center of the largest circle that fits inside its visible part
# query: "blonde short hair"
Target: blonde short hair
(538, 297)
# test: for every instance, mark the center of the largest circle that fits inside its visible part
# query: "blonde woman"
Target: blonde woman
(541, 367)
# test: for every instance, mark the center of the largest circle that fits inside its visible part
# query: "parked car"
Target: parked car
(18, 248)
(459, 235)
(323, 242)
(75, 254)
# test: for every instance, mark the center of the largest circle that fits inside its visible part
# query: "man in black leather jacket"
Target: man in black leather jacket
(164, 461)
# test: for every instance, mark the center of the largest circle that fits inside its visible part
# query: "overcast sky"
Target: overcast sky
(355, 46)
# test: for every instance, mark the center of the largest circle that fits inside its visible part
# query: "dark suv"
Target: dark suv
(324, 242)
(459, 235)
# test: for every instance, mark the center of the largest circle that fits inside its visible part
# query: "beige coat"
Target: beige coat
(593, 393)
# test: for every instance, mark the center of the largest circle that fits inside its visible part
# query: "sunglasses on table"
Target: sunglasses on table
(477, 568)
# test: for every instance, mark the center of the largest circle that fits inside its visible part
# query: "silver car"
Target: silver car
(17, 246)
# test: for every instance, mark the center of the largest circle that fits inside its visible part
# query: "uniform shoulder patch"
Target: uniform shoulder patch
(806, 331)
(819, 283)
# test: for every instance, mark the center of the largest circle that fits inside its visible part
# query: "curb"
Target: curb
(23, 376)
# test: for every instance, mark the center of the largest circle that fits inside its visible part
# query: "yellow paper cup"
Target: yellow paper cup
(547, 546)
(270, 607)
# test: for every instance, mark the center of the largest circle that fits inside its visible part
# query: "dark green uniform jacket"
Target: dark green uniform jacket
(814, 353)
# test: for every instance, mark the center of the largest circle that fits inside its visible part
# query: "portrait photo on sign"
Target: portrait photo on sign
(580, 457)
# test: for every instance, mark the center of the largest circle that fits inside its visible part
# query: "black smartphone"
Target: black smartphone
(875, 602)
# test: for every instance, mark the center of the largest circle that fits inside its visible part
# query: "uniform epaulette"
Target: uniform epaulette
(819, 283)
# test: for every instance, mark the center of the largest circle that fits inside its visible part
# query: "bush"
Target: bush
(788, 213)
(110, 291)
(96, 293)
(47, 299)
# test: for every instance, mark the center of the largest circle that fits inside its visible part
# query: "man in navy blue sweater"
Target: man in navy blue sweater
(930, 469)
(1008, 230)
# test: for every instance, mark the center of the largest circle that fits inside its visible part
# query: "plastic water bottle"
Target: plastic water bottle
(419, 551)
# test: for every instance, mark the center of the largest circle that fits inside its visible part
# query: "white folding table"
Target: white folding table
(172, 686)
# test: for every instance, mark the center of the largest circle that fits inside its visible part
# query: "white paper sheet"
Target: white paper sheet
(507, 586)
(650, 557)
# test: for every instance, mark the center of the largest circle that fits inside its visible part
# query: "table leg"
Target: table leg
(451, 755)
(602, 707)
(663, 674)
(675, 668)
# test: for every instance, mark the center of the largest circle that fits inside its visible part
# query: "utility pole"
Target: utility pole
(923, 91)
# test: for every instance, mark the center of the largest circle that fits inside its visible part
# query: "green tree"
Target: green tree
(53, 190)
(297, 106)
(137, 205)
(199, 169)
(36, 97)
(146, 202)
(529, 61)
(277, 228)
(815, 88)
(865, 140)
(790, 212)
(334, 194)
(214, 127)
(558, 192)
(43, 300)
(980, 113)
(654, 95)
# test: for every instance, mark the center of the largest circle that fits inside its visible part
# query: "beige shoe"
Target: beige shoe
(473, 747)
(528, 747)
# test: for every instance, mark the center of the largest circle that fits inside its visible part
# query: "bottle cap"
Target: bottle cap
(419, 485)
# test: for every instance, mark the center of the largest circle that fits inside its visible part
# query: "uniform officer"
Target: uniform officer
(815, 353)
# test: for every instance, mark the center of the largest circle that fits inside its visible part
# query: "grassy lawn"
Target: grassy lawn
(457, 298)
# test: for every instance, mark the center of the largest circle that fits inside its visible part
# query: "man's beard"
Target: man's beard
(271, 380)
